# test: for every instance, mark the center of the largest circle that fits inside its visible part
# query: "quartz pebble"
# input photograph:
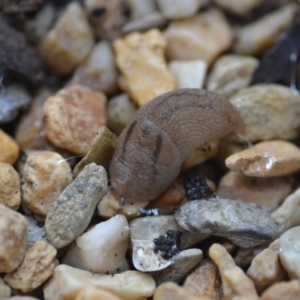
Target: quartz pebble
(67, 282)
(100, 151)
(110, 238)
(244, 224)
(189, 73)
(120, 111)
(9, 186)
(91, 293)
(205, 281)
(266, 159)
(290, 252)
(98, 71)
(256, 37)
(205, 36)
(9, 150)
(231, 73)
(141, 8)
(282, 290)
(274, 111)
(72, 211)
(35, 231)
(35, 269)
(13, 237)
(266, 268)
(238, 7)
(74, 27)
(5, 290)
(72, 117)
(266, 192)
(177, 9)
(145, 74)
(44, 176)
(236, 284)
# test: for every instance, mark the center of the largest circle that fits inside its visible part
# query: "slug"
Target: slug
(165, 131)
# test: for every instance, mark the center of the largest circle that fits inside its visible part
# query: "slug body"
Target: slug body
(152, 148)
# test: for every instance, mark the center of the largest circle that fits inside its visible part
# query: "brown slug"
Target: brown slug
(152, 148)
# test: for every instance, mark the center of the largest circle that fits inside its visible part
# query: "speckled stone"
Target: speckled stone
(36, 231)
(9, 149)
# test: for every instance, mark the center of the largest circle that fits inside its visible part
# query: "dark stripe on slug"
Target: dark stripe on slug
(128, 134)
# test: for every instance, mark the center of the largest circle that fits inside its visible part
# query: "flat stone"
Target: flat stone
(274, 111)
(5, 290)
(282, 290)
(91, 293)
(244, 224)
(67, 282)
(72, 211)
(238, 7)
(9, 149)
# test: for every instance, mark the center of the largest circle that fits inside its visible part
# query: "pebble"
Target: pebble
(10, 194)
(98, 71)
(139, 9)
(290, 252)
(5, 290)
(266, 159)
(72, 211)
(67, 282)
(110, 238)
(107, 17)
(13, 237)
(22, 298)
(239, 8)
(266, 192)
(189, 73)
(63, 57)
(91, 293)
(145, 230)
(236, 284)
(287, 215)
(205, 37)
(100, 151)
(43, 178)
(9, 149)
(205, 281)
(244, 224)
(13, 99)
(35, 231)
(36, 267)
(177, 9)
(109, 206)
(274, 111)
(140, 58)
(283, 290)
(266, 269)
(182, 264)
(72, 117)
(120, 111)
(256, 37)
(231, 73)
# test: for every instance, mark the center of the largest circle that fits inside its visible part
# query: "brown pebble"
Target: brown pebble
(283, 290)
(9, 150)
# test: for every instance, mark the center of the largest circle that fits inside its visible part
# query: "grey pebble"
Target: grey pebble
(244, 224)
(72, 211)
(35, 231)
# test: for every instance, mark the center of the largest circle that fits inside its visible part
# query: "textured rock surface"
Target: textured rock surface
(282, 290)
(244, 224)
(35, 269)
(73, 209)
(36, 231)
(9, 149)
(5, 290)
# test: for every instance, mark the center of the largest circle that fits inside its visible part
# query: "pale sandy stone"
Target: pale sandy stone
(110, 238)
(98, 71)
(189, 73)
(266, 269)
(141, 8)
(109, 205)
(256, 37)
(266, 192)
(100, 151)
(231, 73)
(204, 36)
(44, 176)
(13, 237)
(91, 293)
(145, 74)
(241, 7)
(5, 290)
(10, 194)
(35, 269)
(66, 282)
(177, 9)
(9, 149)
(287, 215)
(205, 281)
(72, 117)
(72, 26)
(274, 108)
(283, 290)
(290, 252)
(236, 284)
